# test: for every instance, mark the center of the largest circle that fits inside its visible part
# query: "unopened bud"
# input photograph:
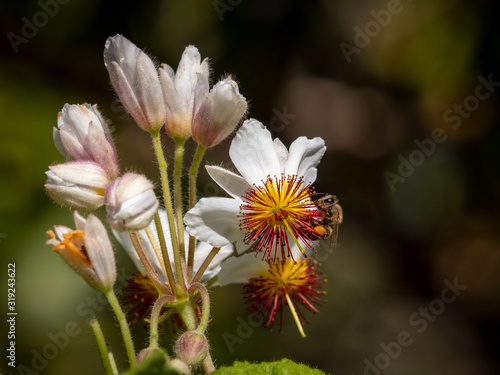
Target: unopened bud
(192, 347)
(83, 134)
(180, 367)
(145, 353)
(219, 113)
(78, 185)
(130, 202)
(183, 91)
(135, 79)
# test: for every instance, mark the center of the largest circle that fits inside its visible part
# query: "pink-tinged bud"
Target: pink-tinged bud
(83, 134)
(219, 113)
(184, 91)
(130, 202)
(78, 185)
(135, 79)
(192, 347)
(180, 367)
(145, 353)
(87, 250)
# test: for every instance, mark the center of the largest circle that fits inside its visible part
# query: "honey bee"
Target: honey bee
(331, 217)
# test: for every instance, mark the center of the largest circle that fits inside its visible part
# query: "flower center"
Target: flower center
(278, 210)
(300, 282)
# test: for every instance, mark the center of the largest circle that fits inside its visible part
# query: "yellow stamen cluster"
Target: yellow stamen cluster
(277, 210)
(290, 281)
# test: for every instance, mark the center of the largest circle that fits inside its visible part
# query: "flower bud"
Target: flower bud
(130, 202)
(87, 250)
(78, 185)
(145, 353)
(219, 113)
(83, 134)
(184, 91)
(192, 347)
(136, 82)
(180, 367)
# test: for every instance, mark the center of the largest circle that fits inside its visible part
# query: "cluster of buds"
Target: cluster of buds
(90, 177)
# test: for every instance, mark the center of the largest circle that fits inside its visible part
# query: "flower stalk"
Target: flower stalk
(179, 154)
(162, 164)
(122, 321)
(205, 264)
(103, 350)
(155, 319)
(193, 174)
(164, 252)
(139, 247)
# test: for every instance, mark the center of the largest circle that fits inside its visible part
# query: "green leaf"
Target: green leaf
(153, 364)
(283, 367)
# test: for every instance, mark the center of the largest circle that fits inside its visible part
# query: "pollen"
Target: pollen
(278, 212)
(294, 283)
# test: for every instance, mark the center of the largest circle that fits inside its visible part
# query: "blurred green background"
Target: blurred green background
(374, 79)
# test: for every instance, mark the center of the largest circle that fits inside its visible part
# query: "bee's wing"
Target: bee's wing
(337, 219)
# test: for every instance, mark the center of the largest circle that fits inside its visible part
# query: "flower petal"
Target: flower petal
(241, 269)
(201, 252)
(304, 156)
(215, 221)
(100, 251)
(233, 184)
(282, 153)
(253, 153)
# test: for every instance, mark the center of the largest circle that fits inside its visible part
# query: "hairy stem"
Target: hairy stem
(179, 153)
(122, 321)
(162, 164)
(193, 174)
(139, 247)
(155, 318)
(101, 344)
(205, 264)
(164, 252)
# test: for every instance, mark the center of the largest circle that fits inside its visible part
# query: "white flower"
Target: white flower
(219, 113)
(83, 134)
(270, 208)
(136, 82)
(201, 251)
(87, 250)
(130, 202)
(79, 185)
(184, 91)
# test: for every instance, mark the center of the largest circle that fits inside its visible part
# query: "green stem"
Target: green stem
(193, 174)
(155, 318)
(113, 363)
(205, 264)
(101, 344)
(188, 315)
(162, 164)
(164, 252)
(120, 316)
(205, 306)
(156, 249)
(139, 248)
(179, 153)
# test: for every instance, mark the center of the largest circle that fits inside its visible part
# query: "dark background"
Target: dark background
(399, 241)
